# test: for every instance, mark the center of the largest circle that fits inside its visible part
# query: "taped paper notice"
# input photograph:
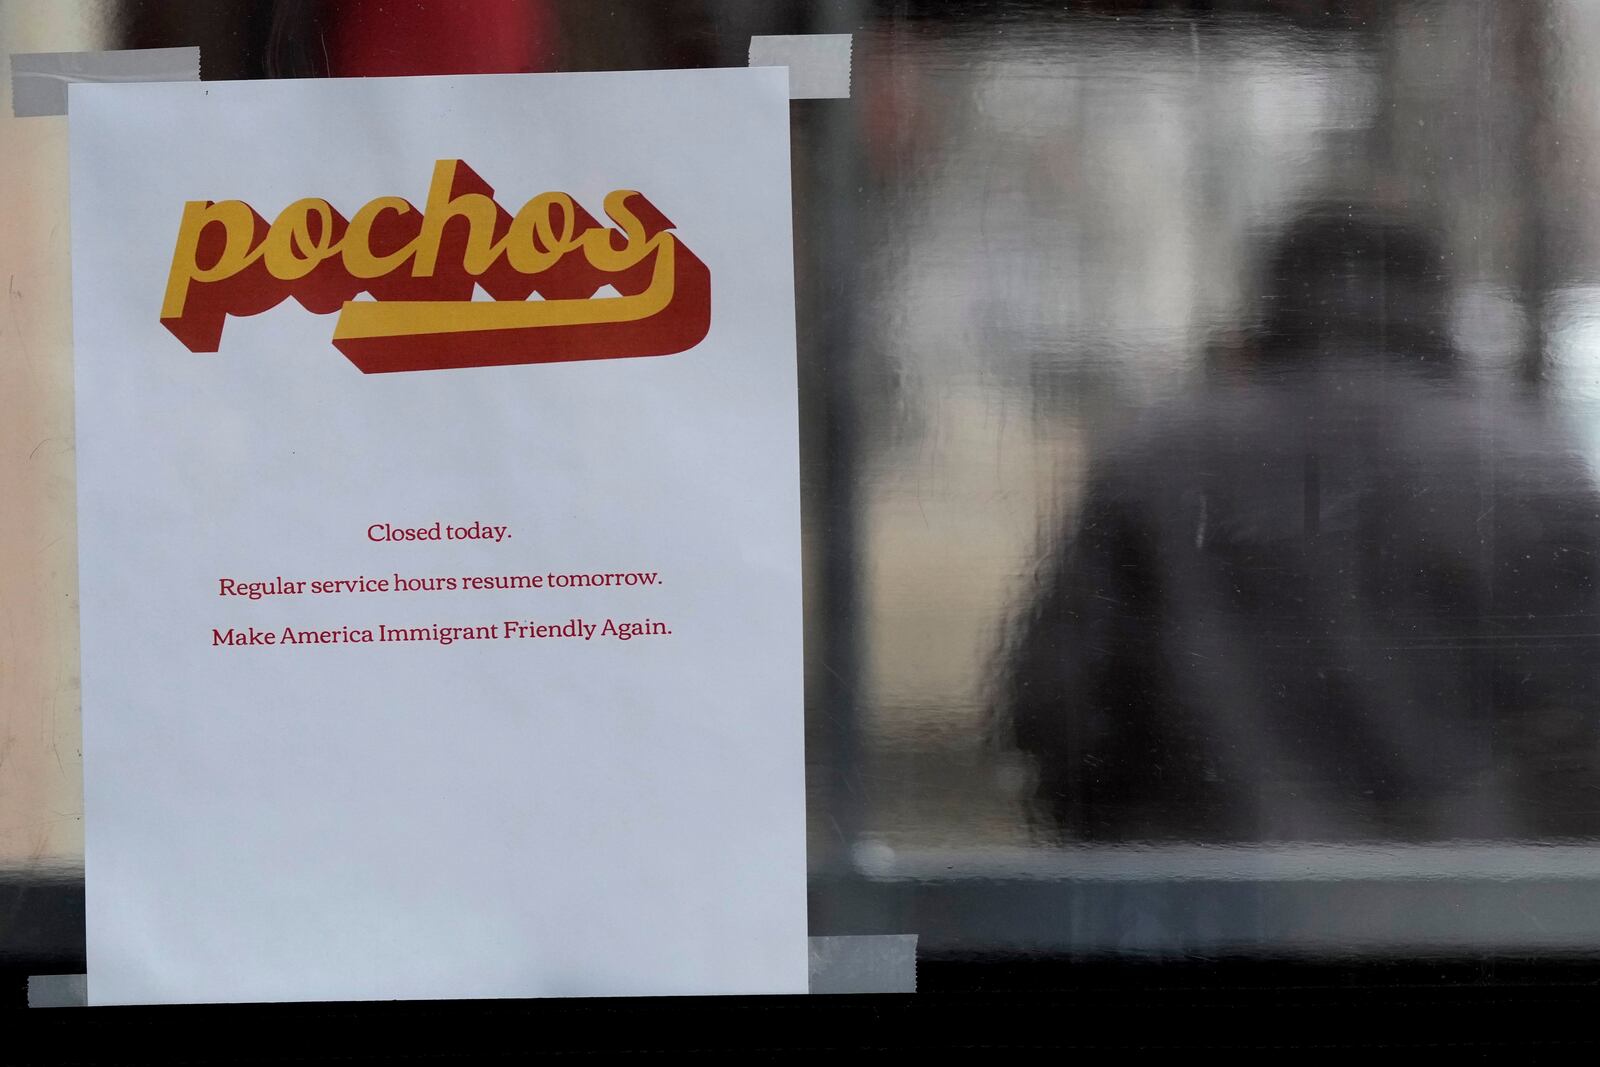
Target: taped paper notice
(819, 63)
(39, 80)
(439, 537)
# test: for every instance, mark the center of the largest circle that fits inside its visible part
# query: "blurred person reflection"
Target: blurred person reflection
(1334, 593)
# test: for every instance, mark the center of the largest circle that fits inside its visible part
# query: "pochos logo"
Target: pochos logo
(420, 269)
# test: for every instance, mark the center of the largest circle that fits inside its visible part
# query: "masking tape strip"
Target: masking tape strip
(884, 963)
(39, 80)
(880, 963)
(58, 991)
(819, 63)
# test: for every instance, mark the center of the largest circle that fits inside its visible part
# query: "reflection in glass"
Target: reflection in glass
(1332, 591)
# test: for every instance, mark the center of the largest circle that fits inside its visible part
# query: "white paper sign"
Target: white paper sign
(439, 531)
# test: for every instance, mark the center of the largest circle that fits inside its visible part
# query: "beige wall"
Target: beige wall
(41, 767)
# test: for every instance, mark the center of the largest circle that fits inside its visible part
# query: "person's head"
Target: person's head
(1346, 283)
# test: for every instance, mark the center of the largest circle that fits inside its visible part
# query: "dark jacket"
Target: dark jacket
(1337, 596)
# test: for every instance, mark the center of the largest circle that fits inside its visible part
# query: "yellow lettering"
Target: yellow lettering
(533, 223)
(479, 211)
(357, 244)
(597, 242)
(292, 250)
(239, 224)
